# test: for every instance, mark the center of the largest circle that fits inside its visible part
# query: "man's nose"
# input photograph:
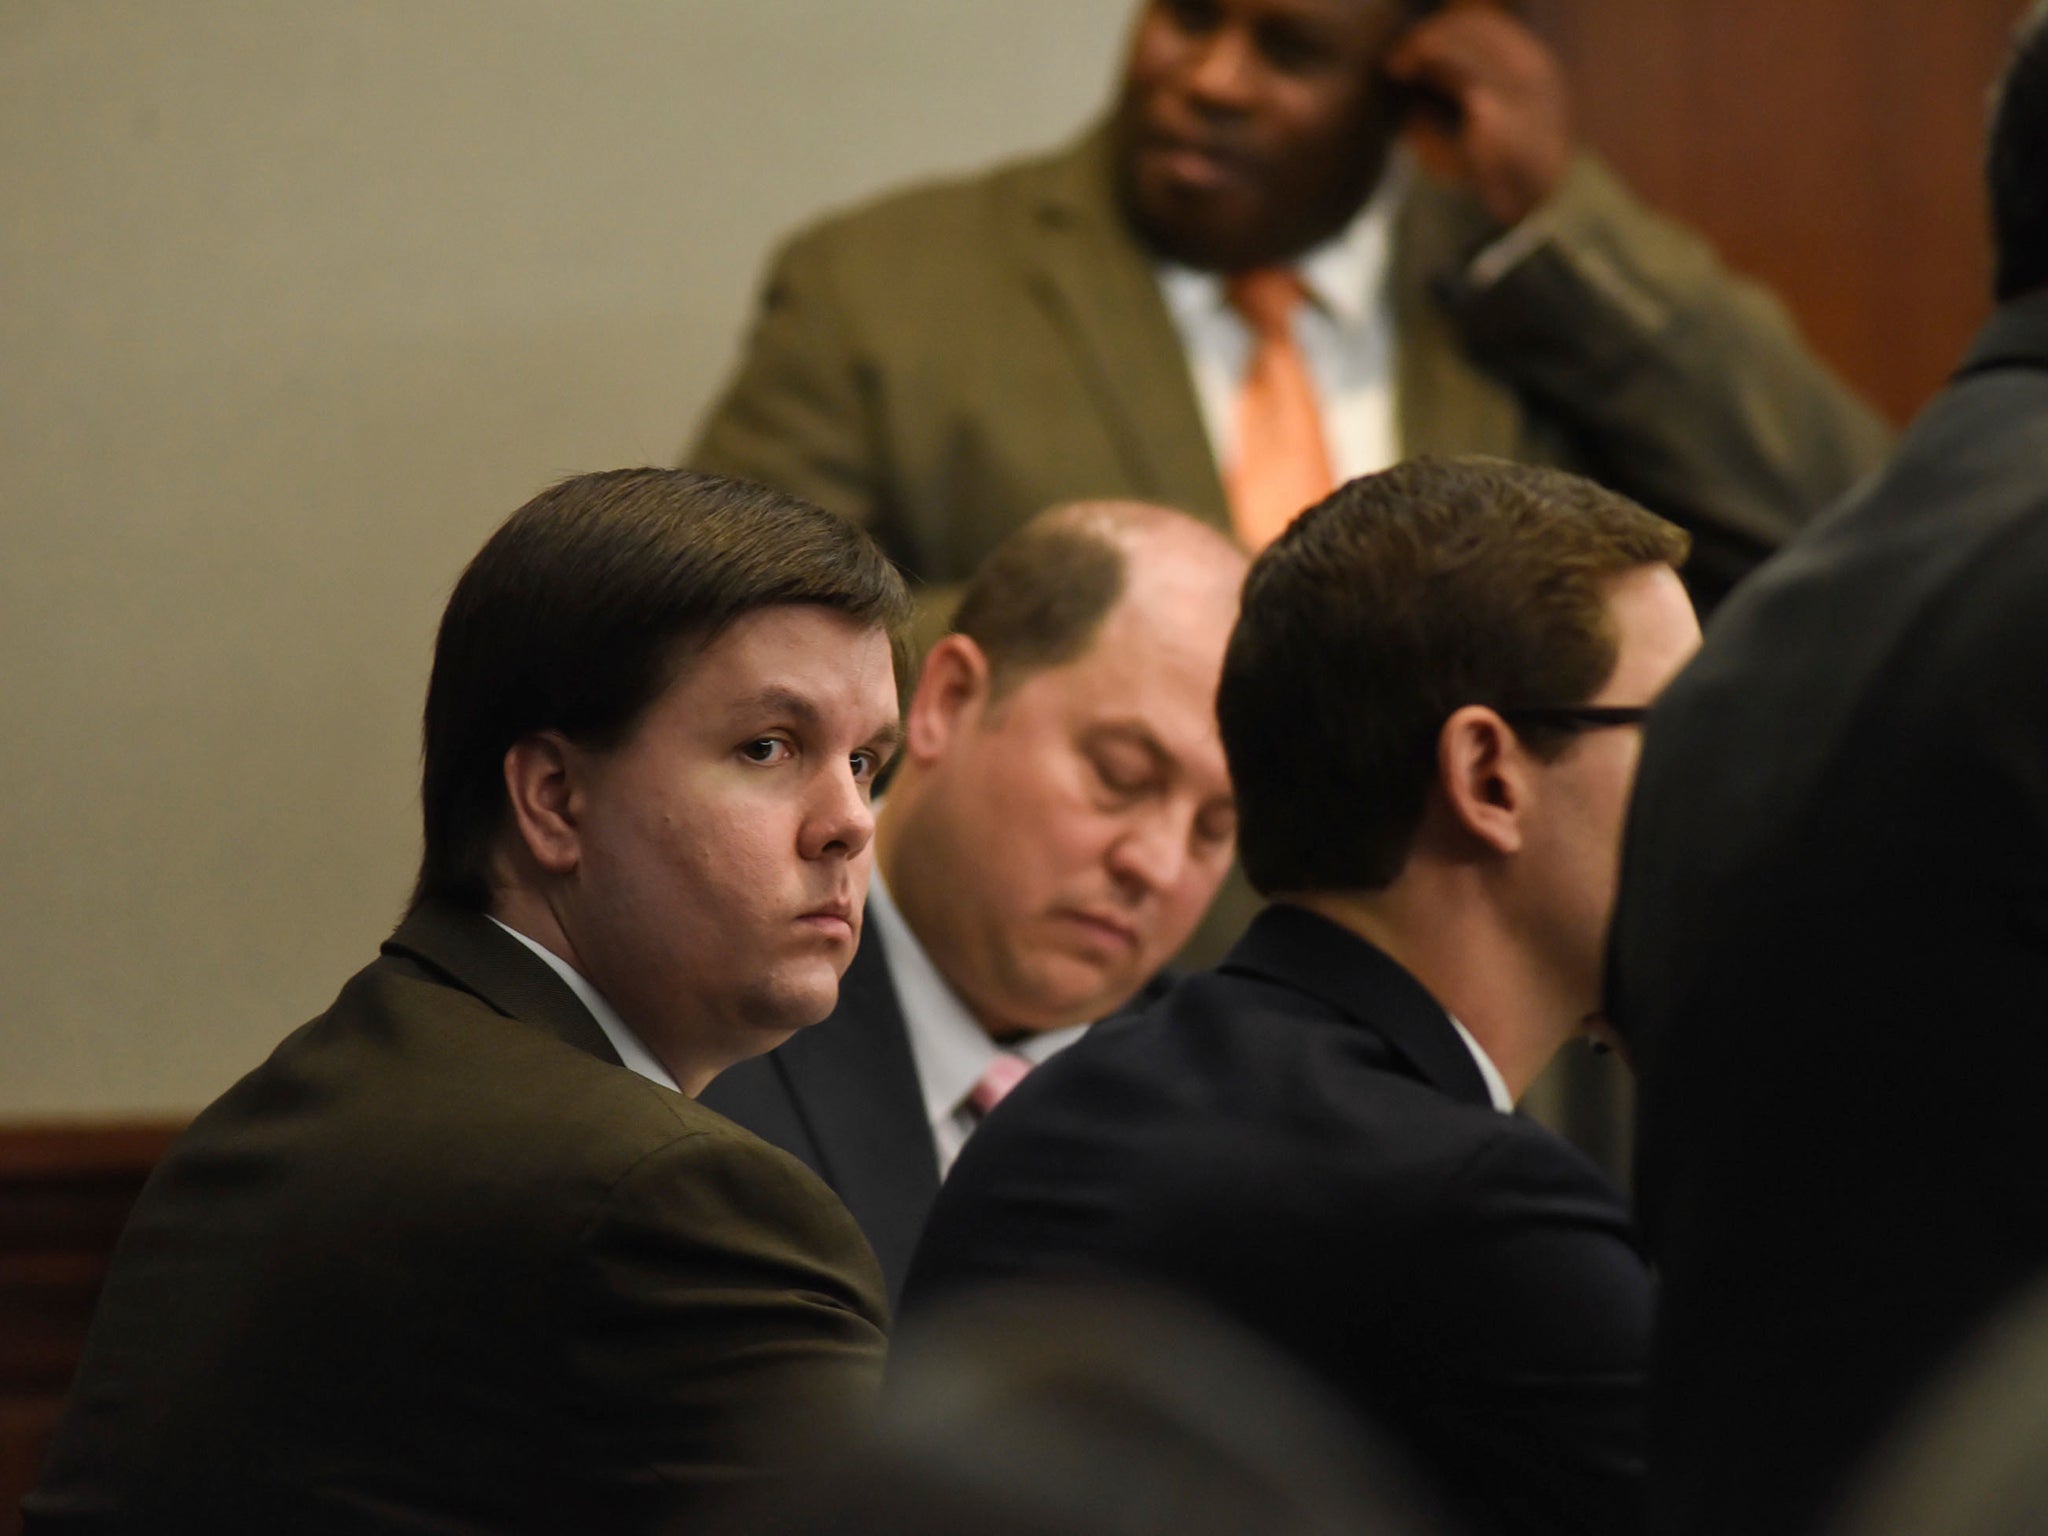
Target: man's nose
(1222, 71)
(840, 820)
(1151, 852)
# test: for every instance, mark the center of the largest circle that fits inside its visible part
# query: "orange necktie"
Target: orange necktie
(1282, 465)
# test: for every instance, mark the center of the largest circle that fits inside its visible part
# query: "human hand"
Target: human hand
(1507, 132)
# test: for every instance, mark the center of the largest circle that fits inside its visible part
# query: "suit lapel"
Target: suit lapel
(1446, 403)
(1102, 292)
(854, 1083)
(470, 950)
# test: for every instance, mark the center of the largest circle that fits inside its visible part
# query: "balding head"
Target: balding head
(1063, 813)
(1042, 594)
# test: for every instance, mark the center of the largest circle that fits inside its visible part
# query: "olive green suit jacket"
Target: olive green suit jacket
(943, 363)
(443, 1264)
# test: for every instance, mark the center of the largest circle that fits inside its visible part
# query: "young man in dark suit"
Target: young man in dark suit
(1831, 947)
(464, 1254)
(1060, 819)
(1429, 705)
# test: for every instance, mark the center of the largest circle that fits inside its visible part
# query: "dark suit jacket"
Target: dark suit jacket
(844, 1096)
(1831, 953)
(1300, 1138)
(442, 1264)
(943, 363)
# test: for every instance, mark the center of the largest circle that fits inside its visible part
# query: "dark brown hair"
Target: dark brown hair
(577, 613)
(1401, 598)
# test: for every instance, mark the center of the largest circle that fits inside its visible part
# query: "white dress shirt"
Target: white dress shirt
(950, 1048)
(632, 1051)
(1345, 332)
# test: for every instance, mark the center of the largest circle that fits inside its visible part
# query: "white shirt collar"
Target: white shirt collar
(947, 1042)
(1348, 272)
(631, 1050)
(1496, 1085)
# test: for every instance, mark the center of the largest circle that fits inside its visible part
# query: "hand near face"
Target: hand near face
(1511, 137)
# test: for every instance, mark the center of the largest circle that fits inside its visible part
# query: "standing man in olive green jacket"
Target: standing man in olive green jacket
(943, 363)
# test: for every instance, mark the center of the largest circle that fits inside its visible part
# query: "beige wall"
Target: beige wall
(296, 302)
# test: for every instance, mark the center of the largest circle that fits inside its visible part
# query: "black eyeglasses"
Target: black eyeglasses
(1577, 717)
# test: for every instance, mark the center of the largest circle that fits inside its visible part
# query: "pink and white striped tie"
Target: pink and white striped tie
(1003, 1073)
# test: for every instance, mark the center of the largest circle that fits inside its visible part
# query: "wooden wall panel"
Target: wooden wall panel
(1830, 147)
(65, 1190)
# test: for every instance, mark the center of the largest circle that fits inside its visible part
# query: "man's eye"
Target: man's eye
(1290, 50)
(866, 765)
(1216, 827)
(1191, 16)
(1122, 778)
(765, 749)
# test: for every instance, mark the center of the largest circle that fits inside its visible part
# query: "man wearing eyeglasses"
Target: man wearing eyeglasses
(1429, 707)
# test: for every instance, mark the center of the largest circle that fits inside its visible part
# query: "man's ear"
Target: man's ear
(951, 693)
(1483, 776)
(542, 790)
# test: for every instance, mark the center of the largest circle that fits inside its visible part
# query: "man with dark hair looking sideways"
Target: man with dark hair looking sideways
(1061, 817)
(464, 1254)
(1830, 949)
(1243, 287)
(1430, 707)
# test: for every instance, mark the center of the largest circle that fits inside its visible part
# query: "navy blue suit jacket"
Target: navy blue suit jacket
(1300, 1138)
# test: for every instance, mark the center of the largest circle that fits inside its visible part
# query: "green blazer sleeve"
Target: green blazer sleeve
(1673, 380)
